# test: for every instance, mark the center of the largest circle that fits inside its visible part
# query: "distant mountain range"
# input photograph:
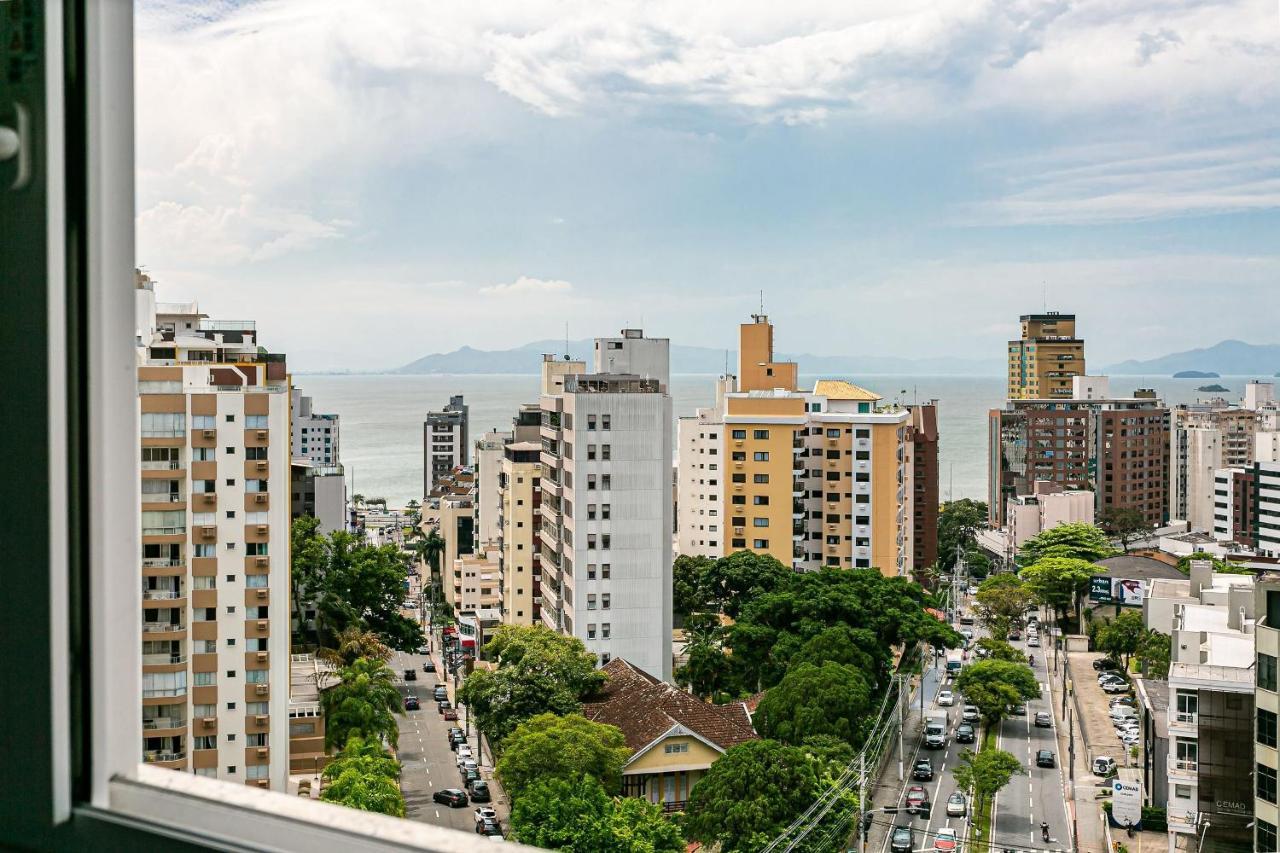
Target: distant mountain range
(1228, 358)
(686, 359)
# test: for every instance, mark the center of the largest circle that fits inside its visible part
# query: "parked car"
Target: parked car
(411, 703)
(1130, 738)
(917, 800)
(469, 774)
(440, 692)
(970, 714)
(923, 771)
(443, 705)
(488, 826)
(968, 636)
(957, 805)
(424, 649)
(1044, 720)
(903, 840)
(1044, 758)
(479, 791)
(966, 618)
(965, 733)
(1105, 663)
(1123, 700)
(1033, 642)
(429, 666)
(463, 754)
(945, 841)
(1123, 712)
(946, 698)
(1115, 687)
(450, 714)
(1104, 766)
(1014, 636)
(484, 813)
(1018, 710)
(454, 798)
(973, 590)
(1110, 676)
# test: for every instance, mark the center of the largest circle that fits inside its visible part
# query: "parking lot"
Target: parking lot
(1091, 705)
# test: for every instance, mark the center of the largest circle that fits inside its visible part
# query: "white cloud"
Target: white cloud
(525, 285)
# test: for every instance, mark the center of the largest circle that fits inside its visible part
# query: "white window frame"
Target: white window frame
(87, 704)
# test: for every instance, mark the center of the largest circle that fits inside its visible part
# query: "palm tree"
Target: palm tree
(353, 644)
(363, 776)
(364, 702)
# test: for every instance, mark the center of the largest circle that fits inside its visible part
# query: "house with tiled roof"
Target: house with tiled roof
(674, 737)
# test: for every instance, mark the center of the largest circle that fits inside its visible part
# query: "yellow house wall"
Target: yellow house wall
(656, 760)
(885, 444)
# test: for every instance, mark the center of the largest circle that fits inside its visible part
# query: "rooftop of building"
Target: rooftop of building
(645, 708)
(307, 674)
(1138, 568)
(838, 389)
(1154, 696)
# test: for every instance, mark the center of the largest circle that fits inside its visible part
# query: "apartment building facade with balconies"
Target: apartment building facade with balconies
(1043, 361)
(214, 481)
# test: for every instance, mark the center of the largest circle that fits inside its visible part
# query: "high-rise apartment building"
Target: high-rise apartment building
(1044, 360)
(923, 504)
(1117, 447)
(820, 478)
(1247, 499)
(519, 548)
(444, 442)
(214, 459)
(315, 435)
(606, 503)
(1203, 438)
(1266, 740)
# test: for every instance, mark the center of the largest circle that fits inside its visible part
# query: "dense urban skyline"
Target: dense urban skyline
(504, 168)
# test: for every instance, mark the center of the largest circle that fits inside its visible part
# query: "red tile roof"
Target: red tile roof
(645, 708)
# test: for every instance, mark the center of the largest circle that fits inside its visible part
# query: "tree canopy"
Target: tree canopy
(350, 583)
(539, 671)
(1002, 602)
(958, 522)
(827, 699)
(569, 747)
(750, 794)
(362, 703)
(578, 816)
(1058, 581)
(994, 649)
(987, 772)
(1223, 566)
(1076, 540)
(1125, 524)
(363, 776)
(1154, 653)
(1121, 637)
(994, 685)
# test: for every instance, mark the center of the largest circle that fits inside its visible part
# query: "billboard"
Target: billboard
(1104, 589)
(1126, 804)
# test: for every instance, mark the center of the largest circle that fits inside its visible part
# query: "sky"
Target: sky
(376, 181)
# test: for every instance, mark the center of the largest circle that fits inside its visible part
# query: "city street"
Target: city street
(1027, 800)
(429, 765)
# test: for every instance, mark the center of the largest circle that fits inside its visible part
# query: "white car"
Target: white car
(464, 754)
(1033, 642)
(485, 813)
(946, 698)
(1130, 738)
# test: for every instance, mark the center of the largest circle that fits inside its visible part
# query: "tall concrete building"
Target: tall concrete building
(1117, 447)
(606, 504)
(214, 460)
(315, 435)
(1247, 499)
(319, 491)
(1043, 361)
(519, 548)
(1266, 745)
(813, 478)
(1203, 438)
(923, 506)
(444, 442)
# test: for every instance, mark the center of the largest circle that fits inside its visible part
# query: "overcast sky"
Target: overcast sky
(375, 181)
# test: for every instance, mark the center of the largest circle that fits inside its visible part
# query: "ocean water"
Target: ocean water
(382, 417)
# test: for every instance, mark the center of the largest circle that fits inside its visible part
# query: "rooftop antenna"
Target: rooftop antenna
(1044, 295)
(566, 340)
(762, 302)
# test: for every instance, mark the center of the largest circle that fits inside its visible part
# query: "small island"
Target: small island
(1213, 389)
(1196, 374)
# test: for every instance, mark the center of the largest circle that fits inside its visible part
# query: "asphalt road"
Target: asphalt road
(429, 765)
(1019, 808)
(1037, 796)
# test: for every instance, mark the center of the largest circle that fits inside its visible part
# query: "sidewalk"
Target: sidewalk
(1078, 732)
(885, 789)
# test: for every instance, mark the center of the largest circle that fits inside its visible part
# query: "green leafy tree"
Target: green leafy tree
(578, 816)
(731, 580)
(363, 776)
(567, 747)
(1154, 653)
(855, 647)
(688, 590)
(1222, 566)
(1058, 581)
(1002, 601)
(1125, 524)
(707, 672)
(308, 559)
(1121, 637)
(362, 703)
(994, 685)
(986, 773)
(750, 794)
(999, 650)
(831, 699)
(539, 671)
(1077, 540)
(355, 643)
(958, 523)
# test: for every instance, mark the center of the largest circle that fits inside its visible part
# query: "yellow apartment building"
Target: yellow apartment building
(1043, 362)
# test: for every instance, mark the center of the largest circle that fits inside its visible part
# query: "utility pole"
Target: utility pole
(1071, 748)
(862, 808)
(902, 726)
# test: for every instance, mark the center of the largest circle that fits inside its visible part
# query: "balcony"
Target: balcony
(674, 806)
(164, 659)
(164, 531)
(162, 627)
(161, 562)
(164, 692)
(1186, 766)
(162, 594)
(164, 759)
(154, 724)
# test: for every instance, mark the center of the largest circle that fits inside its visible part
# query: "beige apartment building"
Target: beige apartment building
(1046, 357)
(813, 478)
(520, 566)
(214, 492)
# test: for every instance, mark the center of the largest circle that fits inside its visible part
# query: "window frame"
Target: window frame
(72, 410)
